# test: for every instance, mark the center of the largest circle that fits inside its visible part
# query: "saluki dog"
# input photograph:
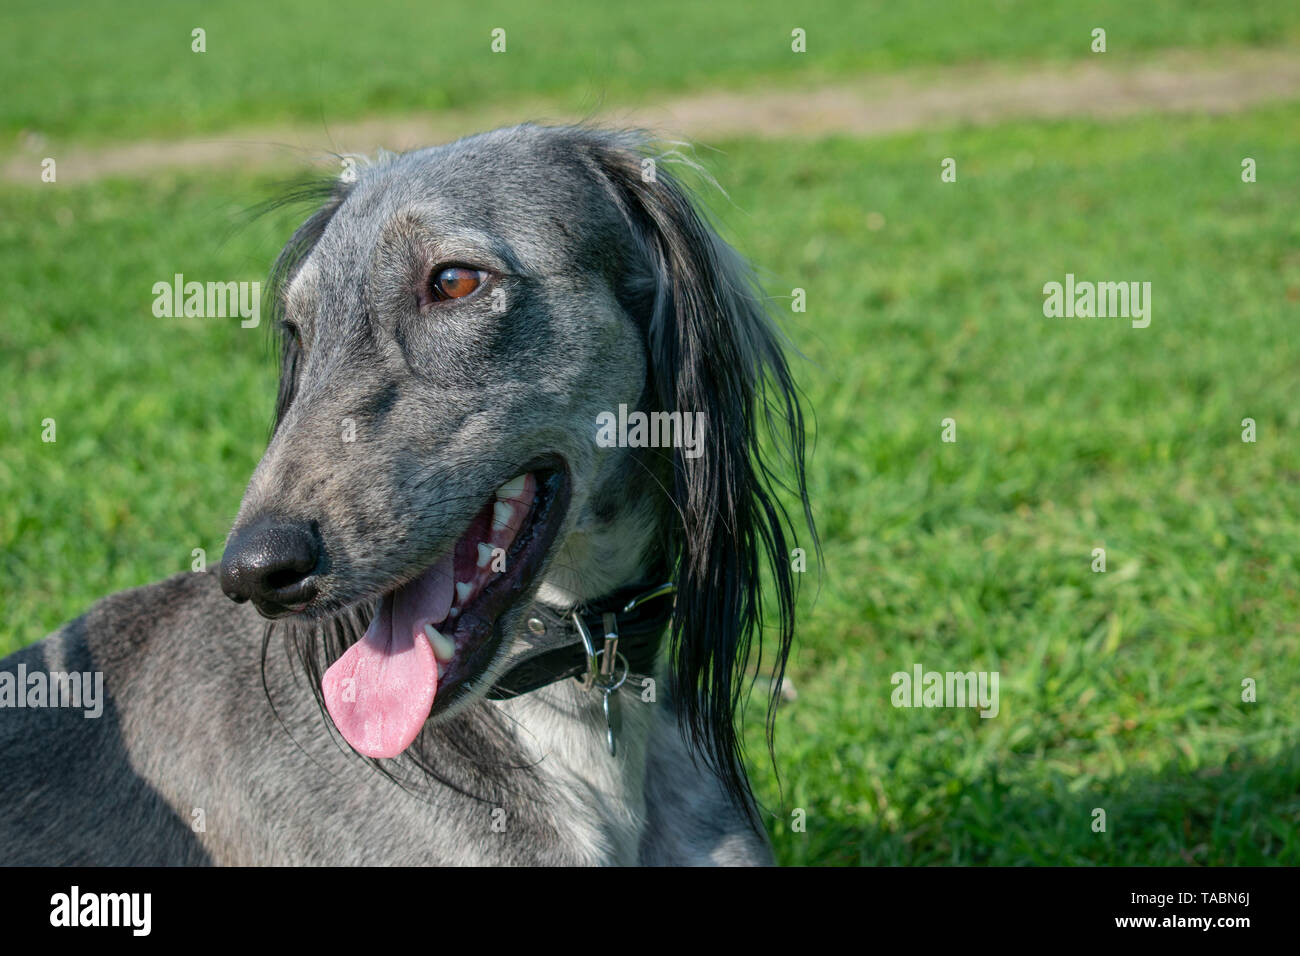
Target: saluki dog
(492, 591)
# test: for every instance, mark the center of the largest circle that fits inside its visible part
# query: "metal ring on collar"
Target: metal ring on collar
(666, 588)
(592, 677)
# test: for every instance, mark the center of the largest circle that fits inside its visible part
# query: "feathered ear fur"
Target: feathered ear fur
(714, 350)
(329, 195)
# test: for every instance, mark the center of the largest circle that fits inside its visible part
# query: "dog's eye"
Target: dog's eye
(455, 282)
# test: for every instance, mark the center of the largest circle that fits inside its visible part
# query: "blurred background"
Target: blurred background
(1120, 690)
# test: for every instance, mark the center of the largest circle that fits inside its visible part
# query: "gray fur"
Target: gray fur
(447, 405)
(189, 728)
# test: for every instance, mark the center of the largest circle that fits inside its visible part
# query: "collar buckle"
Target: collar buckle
(560, 644)
(600, 674)
(602, 663)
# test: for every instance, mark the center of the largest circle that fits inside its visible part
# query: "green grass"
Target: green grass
(269, 62)
(1118, 690)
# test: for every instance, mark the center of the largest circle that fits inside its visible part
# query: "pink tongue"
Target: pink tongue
(380, 691)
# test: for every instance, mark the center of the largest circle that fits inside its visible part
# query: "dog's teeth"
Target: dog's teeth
(484, 554)
(463, 589)
(444, 648)
(502, 512)
(454, 612)
(442, 670)
(512, 488)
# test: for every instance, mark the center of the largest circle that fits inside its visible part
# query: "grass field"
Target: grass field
(1118, 690)
(94, 70)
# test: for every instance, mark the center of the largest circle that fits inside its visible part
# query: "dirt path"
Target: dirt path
(1173, 81)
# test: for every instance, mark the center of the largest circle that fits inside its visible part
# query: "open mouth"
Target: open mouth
(431, 636)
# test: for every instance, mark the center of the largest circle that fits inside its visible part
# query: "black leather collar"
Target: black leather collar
(556, 650)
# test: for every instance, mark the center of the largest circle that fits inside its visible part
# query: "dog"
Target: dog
(450, 626)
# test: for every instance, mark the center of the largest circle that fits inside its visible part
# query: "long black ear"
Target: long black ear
(327, 195)
(714, 350)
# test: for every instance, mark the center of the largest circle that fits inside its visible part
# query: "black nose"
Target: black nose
(273, 563)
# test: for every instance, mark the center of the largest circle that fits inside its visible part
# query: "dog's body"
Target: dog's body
(189, 729)
(212, 747)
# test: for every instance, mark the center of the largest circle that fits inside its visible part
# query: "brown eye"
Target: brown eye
(455, 282)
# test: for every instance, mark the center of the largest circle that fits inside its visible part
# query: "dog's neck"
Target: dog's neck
(561, 726)
(597, 800)
(610, 555)
(599, 558)
(603, 564)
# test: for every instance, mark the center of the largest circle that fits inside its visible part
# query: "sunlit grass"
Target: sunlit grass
(1119, 691)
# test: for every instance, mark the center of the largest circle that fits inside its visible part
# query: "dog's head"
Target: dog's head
(467, 331)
